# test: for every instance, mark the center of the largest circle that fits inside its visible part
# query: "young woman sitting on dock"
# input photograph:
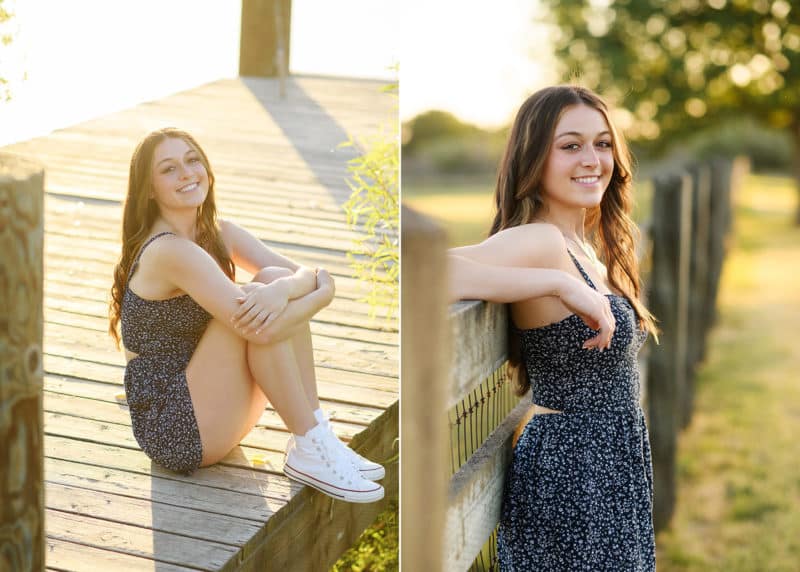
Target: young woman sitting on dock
(205, 354)
(579, 489)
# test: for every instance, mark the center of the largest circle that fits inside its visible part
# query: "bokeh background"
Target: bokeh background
(691, 80)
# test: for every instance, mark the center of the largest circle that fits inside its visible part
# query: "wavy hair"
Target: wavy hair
(140, 212)
(608, 226)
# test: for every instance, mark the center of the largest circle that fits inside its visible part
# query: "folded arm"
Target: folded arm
(193, 270)
(515, 264)
(248, 252)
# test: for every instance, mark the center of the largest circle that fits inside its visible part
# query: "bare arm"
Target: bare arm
(524, 262)
(193, 270)
(536, 245)
(515, 264)
(300, 310)
(471, 280)
(248, 252)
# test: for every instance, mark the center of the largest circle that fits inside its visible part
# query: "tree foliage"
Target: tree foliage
(434, 125)
(5, 40)
(374, 204)
(681, 65)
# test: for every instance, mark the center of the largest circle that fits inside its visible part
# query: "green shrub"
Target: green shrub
(374, 203)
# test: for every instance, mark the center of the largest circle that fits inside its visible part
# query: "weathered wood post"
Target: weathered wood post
(21, 449)
(425, 360)
(669, 289)
(720, 221)
(265, 37)
(698, 278)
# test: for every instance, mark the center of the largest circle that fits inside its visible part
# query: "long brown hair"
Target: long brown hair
(140, 212)
(608, 226)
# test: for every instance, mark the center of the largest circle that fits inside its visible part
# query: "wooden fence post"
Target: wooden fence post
(698, 277)
(264, 44)
(721, 171)
(668, 296)
(21, 293)
(425, 359)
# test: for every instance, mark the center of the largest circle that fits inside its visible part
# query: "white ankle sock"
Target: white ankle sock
(319, 415)
(308, 433)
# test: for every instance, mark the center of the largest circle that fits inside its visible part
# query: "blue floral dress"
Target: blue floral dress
(579, 493)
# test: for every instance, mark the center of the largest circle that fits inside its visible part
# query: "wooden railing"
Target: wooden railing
(454, 369)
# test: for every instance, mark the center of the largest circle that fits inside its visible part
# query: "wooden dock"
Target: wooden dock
(279, 174)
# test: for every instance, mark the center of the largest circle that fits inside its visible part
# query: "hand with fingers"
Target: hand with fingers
(593, 308)
(260, 306)
(325, 281)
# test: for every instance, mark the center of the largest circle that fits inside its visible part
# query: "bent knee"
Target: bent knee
(271, 273)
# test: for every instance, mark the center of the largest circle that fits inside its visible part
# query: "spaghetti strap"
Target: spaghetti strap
(141, 250)
(581, 270)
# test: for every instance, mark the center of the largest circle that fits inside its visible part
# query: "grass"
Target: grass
(378, 548)
(464, 209)
(738, 483)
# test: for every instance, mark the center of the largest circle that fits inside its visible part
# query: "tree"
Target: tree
(433, 125)
(682, 65)
(5, 40)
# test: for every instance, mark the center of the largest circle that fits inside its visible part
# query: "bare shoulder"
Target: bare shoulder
(228, 230)
(545, 243)
(538, 245)
(171, 250)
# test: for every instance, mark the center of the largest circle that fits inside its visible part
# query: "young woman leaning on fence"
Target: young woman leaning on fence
(579, 492)
(204, 354)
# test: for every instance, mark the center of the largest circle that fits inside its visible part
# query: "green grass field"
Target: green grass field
(465, 210)
(738, 504)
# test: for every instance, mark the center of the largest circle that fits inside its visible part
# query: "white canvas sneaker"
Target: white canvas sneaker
(368, 469)
(315, 460)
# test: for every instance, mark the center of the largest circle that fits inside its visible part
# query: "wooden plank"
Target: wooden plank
(250, 506)
(261, 482)
(476, 494)
(64, 555)
(484, 325)
(145, 513)
(261, 443)
(127, 539)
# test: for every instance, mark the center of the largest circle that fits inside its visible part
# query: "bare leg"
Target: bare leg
(276, 370)
(301, 342)
(304, 352)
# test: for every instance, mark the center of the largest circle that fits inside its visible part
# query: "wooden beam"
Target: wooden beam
(264, 44)
(21, 290)
(484, 325)
(476, 493)
(424, 368)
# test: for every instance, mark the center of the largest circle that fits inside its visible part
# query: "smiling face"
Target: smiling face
(581, 159)
(179, 176)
